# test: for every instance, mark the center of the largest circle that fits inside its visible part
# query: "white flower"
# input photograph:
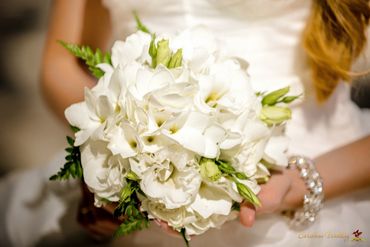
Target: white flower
(135, 48)
(211, 200)
(226, 88)
(277, 145)
(176, 218)
(169, 177)
(103, 172)
(90, 115)
(196, 132)
(199, 47)
(124, 141)
(201, 225)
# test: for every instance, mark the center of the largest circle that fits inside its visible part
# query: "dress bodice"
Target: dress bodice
(266, 33)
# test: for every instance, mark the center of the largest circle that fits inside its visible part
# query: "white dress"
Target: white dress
(267, 33)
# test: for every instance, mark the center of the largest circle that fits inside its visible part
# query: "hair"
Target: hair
(334, 37)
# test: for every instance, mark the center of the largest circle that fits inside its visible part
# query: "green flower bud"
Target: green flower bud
(275, 115)
(132, 176)
(153, 51)
(209, 169)
(248, 194)
(289, 99)
(225, 167)
(273, 97)
(176, 60)
(163, 53)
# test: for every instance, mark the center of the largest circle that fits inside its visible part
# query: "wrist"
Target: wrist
(295, 194)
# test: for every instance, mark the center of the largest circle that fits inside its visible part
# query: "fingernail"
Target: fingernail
(157, 222)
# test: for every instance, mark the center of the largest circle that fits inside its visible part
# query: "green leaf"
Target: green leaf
(72, 168)
(153, 51)
(289, 99)
(74, 129)
(184, 236)
(91, 58)
(130, 225)
(235, 206)
(273, 97)
(70, 141)
(139, 25)
(247, 194)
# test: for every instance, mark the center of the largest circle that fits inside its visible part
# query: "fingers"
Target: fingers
(272, 194)
(247, 214)
(169, 230)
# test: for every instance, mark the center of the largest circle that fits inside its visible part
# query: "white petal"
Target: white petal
(275, 152)
(211, 200)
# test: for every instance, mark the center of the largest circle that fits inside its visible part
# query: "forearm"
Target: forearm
(63, 77)
(343, 170)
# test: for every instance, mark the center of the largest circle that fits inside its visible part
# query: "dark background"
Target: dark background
(29, 134)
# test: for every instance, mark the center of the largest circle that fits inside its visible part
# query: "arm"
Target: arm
(343, 170)
(62, 78)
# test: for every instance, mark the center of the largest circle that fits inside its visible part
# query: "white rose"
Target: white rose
(103, 173)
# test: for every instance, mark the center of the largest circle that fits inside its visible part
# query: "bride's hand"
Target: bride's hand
(283, 191)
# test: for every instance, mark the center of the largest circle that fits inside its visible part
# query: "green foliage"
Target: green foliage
(72, 167)
(134, 220)
(274, 97)
(235, 206)
(129, 208)
(229, 172)
(139, 25)
(183, 234)
(247, 194)
(227, 169)
(91, 58)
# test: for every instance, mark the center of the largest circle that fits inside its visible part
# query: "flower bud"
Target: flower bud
(163, 53)
(275, 114)
(273, 97)
(247, 194)
(176, 60)
(209, 169)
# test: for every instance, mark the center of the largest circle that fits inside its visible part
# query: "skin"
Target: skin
(63, 83)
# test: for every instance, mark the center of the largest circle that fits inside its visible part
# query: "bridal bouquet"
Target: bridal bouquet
(174, 131)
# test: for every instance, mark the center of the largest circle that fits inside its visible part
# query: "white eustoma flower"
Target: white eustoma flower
(169, 177)
(211, 200)
(103, 172)
(201, 225)
(134, 48)
(176, 217)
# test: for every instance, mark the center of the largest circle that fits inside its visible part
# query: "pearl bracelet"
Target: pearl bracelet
(312, 202)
